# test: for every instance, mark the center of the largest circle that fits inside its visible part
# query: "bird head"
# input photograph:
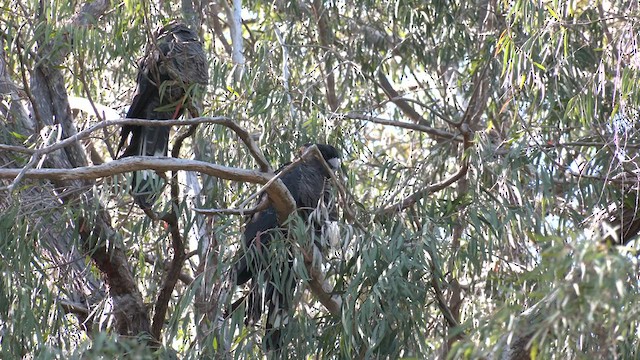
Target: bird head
(329, 153)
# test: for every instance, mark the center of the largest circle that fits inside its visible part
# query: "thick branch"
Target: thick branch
(278, 193)
(220, 120)
(135, 163)
(112, 261)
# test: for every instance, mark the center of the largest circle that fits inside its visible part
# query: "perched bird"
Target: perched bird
(173, 72)
(308, 184)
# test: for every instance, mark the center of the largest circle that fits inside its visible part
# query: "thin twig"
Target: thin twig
(406, 125)
(262, 206)
(20, 149)
(185, 278)
(413, 198)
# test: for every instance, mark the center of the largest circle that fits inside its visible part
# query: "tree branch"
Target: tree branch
(325, 38)
(317, 286)
(278, 193)
(132, 318)
(177, 243)
(437, 133)
(253, 148)
(413, 198)
(172, 276)
(135, 163)
(395, 97)
(242, 212)
(184, 277)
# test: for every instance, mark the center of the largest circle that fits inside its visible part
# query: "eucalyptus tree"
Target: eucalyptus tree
(487, 198)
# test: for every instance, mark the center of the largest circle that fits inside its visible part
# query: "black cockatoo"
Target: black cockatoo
(308, 183)
(172, 73)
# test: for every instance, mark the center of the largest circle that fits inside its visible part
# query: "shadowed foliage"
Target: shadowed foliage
(486, 205)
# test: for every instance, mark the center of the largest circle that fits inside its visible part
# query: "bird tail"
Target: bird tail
(146, 185)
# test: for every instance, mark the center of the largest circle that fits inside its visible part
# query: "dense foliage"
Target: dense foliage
(488, 194)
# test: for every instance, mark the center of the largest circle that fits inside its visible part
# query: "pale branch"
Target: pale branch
(242, 134)
(32, 162)
(234, 17)
(413, 198)
(219, 120)
(117, 122)
(253, 148)
(286, 72)
(430, 108)
(405, 125)
(135, 163)
(72, 140)
(278, 193)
